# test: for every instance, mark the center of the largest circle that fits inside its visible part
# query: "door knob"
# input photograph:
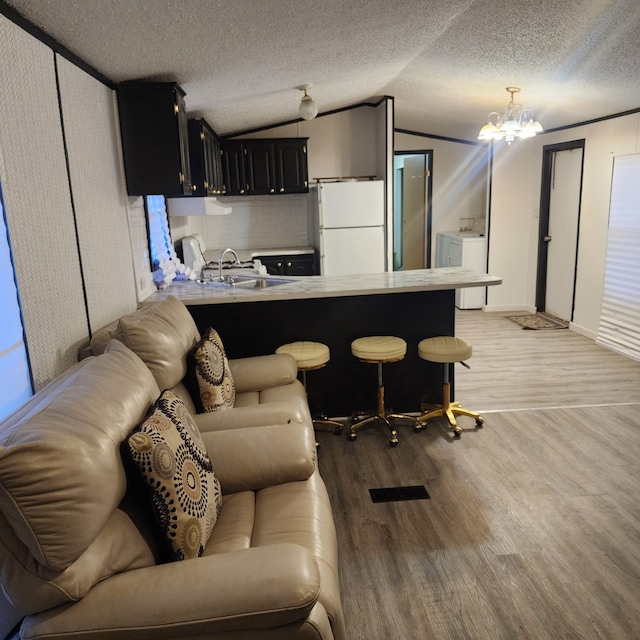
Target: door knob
(547, 238)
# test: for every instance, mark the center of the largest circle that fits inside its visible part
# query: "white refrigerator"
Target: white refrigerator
(349, 227)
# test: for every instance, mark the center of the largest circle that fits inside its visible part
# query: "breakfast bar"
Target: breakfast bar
(256, 317)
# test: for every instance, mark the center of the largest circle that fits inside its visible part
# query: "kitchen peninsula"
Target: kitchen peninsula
(336, 310)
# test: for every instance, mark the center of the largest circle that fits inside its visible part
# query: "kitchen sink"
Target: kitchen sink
(246, 282)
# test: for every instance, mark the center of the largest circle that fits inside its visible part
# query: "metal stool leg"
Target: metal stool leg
(381, 415)
(449, 409)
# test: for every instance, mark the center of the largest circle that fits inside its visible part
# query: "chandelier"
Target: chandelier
(515, 122)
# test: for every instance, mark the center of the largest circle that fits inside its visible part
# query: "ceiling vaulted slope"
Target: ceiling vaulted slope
(446, 63)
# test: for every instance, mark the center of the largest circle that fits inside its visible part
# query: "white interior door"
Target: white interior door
(564, 207)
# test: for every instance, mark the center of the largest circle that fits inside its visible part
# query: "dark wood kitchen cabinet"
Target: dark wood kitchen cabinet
(290, 265)
(265, 166)
(154, 131)
(233, 168)
(205, 159)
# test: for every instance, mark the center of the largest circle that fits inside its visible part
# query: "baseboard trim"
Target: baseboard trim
(489, 308)
(583, 331)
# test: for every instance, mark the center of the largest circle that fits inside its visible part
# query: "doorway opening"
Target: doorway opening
(559, 228)
(412, 188)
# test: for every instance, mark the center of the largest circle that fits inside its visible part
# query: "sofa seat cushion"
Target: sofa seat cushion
(294, 512)
(173, 460)
(234, 526)
(207, 363)
(300, 513)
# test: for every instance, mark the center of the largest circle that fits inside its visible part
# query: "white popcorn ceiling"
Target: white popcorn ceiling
(446, 63)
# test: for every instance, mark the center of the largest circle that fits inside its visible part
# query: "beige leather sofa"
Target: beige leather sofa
(78, 554)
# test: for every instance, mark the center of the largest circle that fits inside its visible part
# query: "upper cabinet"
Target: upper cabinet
(205, 159)
(154, 131)
(265, 166)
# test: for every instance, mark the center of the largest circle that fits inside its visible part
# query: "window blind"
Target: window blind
(619, 328)
(15, 387)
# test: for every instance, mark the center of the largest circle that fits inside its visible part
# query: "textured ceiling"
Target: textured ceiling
(446, 63)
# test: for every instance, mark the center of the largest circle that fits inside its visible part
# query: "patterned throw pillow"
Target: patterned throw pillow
(171, 456)
(212, 373)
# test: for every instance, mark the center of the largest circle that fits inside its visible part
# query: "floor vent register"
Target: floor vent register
(397, 494)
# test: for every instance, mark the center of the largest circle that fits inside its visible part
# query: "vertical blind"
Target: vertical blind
(15, 387)
(620, 314)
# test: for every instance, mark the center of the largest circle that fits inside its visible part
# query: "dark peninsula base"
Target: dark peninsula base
(345, 385)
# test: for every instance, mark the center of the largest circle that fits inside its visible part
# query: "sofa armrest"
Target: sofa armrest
(258, 457)
(255, 588)
(263, 372)
(251, 416)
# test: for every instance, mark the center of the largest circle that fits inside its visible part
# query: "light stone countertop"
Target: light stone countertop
(306, 287)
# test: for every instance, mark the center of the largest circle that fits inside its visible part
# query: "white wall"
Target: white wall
(513, 239)
(459, 181)
(67, 223)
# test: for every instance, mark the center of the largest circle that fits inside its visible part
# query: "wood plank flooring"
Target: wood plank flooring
(533, 526)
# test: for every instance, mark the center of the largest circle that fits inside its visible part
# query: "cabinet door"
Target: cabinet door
(273, 264)
(154, 132)
(291, 156)
(290, 265)
(260, 167)
(233, 168)
(183, 143)
(303, 265)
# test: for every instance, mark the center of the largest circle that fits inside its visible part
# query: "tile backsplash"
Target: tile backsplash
(255, 222)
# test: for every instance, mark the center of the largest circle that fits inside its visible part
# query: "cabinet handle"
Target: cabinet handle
(181, 178)
(281, 189)
(176, 109)
(271, 190)
(193, 187)
(288, 264)
(279, 264)
(241, 190)
(202, 135)
(206, 185)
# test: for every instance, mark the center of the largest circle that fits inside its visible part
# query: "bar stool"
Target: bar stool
(379, 350)
(309, 356)
(447, 350)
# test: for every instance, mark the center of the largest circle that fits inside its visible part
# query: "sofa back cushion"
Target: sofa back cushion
(161, 335)
(61, 475)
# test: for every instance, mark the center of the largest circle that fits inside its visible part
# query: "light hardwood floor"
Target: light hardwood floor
(533, 526)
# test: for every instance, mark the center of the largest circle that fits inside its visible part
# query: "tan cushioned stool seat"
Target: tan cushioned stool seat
(308, 355)
(444, 349)
(379, 348)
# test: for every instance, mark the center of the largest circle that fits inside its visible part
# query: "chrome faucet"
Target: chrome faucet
(222, 255)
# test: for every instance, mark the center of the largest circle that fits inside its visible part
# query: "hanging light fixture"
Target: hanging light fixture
(515, 122)
(308, 107)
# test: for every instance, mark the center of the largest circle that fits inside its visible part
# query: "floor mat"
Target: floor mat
(537, 321)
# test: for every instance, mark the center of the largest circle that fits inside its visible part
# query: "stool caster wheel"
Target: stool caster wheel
(353, 436)
(338, 430)
(479, 422)
(457, 432)
(393, 442)
(419, 427)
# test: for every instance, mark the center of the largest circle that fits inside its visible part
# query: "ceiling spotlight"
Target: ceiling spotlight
(515, 122)
(308, 107)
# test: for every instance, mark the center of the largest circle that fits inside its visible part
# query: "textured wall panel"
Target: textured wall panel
(98, 194)
(38, 204)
